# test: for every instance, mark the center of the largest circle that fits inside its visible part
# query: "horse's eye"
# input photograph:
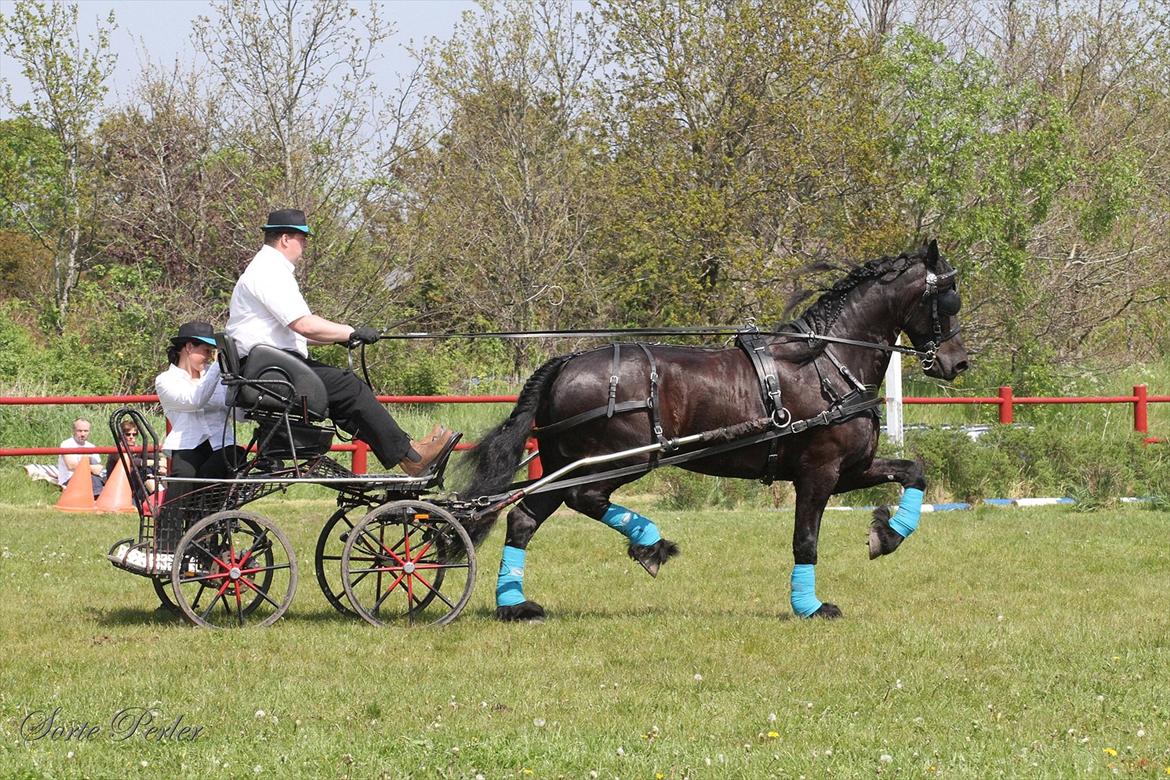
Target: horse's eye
(949, 303)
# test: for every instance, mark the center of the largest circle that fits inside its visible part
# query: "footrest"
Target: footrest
(137, 560)
(434, 474)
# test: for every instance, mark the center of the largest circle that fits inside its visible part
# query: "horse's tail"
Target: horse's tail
(496, 457)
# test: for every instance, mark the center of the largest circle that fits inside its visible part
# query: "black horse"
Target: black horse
(824, 428)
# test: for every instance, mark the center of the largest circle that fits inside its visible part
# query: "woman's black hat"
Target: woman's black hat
(194, 331)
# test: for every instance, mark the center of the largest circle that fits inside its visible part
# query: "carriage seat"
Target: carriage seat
(272, 381)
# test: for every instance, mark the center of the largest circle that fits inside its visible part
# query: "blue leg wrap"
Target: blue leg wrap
(804, 585)
(638, 529)
(905, 520)
(510, 584)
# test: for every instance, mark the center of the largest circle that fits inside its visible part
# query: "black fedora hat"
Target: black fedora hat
(194, 331)
(288, 219)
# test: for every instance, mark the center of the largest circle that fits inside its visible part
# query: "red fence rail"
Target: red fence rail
(1006, 401)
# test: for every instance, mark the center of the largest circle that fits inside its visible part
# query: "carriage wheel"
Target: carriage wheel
(162, 589)
(330, 546)
(422, 568)
(234, 569)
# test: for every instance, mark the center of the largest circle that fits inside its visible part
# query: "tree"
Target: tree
(68, 85)
(742, 137)
(304, 124)
(504, 209)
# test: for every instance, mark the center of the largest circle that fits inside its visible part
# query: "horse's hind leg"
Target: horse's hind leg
(647, 546)
(523, 521)
(886, 532)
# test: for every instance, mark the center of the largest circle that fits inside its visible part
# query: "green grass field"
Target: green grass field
(995, 643)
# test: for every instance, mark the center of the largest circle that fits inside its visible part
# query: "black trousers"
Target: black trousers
(202, 462)
(356, 410)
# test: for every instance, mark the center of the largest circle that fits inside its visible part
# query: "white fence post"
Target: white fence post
(893, 385)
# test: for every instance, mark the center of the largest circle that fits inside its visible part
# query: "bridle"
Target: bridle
(943, 292)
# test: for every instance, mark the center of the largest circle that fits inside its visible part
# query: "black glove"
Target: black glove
(362, 335)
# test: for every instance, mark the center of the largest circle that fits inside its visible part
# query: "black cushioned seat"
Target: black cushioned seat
(272, 371)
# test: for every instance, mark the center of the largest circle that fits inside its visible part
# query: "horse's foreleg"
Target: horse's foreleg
(647, 546)
(523, 521)
(812, 493)
(886, 532)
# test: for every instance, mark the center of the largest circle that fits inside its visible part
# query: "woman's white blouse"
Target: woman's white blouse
(196, 409)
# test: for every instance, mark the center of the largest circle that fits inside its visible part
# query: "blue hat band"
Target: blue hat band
(303, 228)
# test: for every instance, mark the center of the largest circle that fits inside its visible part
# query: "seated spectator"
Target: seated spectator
(142, 463)
(67, 464)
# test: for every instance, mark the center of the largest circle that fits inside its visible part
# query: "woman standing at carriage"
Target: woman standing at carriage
(201, 444)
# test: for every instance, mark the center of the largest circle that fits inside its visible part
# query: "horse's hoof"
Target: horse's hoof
(524, 611)
(827, 611)
(883, 540)
(652, 556)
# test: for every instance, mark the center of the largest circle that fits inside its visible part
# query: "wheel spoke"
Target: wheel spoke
(382, 546)
(195, 543)
(267, 598)
(384, 596)
(436, 591)
(272, 567)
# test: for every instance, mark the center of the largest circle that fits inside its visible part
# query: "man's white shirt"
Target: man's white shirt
(64, 473)
(265, 300)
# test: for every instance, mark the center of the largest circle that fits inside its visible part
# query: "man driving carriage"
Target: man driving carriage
(267, 308)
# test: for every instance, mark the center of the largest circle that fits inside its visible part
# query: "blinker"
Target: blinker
(949, 303)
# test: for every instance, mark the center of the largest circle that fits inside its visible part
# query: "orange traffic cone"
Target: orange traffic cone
(78, 494)
(116, 495)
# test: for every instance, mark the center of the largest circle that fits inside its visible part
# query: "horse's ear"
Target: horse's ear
(932, 253)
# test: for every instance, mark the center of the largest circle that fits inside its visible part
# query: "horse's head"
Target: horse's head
(933, 319)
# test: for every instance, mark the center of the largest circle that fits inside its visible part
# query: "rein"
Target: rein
(713, 330)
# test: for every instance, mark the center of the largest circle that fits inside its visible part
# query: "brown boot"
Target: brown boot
(427, 452)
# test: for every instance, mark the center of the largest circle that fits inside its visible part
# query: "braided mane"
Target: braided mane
(827, 308)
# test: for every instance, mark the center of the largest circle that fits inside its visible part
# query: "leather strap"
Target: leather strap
(614, 368)
(762, 361)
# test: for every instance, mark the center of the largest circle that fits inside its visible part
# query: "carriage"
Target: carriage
(796, 403)
(386, 554)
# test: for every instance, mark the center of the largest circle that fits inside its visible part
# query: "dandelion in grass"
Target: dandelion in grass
(698, 677)
(1110, 752)
(538, 722)
(259, 714)
(773, 735)
(885, 758)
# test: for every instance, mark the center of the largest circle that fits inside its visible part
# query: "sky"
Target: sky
(160, 30)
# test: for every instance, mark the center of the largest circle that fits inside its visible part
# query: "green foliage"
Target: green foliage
(1045, 460)
(63, 366)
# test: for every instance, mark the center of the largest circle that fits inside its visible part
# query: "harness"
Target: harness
(776, 423)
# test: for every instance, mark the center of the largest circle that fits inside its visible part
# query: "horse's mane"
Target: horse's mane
(821, 315)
